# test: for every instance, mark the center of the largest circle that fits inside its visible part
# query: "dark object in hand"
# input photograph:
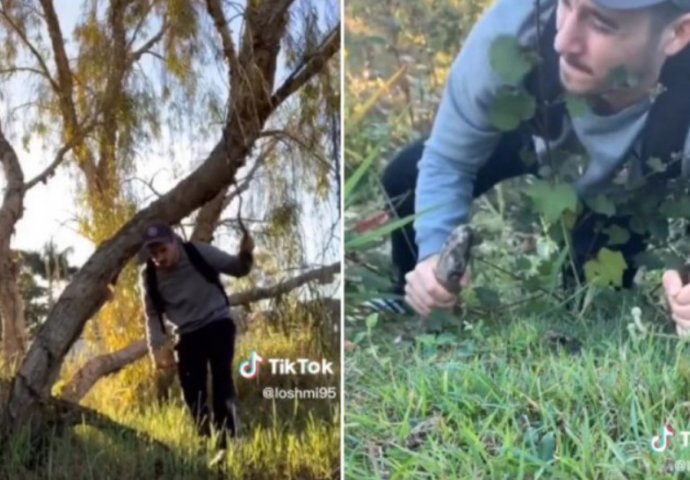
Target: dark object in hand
(454, 258)
(684, 272)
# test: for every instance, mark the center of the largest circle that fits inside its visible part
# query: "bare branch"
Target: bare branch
(232, 222)
(49, 171)
(244, 185)
(10, 71)
(282, 134)
(322, 275)
(30, 46)
(148, 183)
(311, 64)
(64, 85)
(207, 219)
(215, 10)
(146, 47)
(140, 24)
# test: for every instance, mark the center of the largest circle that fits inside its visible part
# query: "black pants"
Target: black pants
(214, 346)
(400, 178)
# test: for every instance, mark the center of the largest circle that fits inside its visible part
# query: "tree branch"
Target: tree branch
(49, 171)
(243, 186)
(207, 219)
(311, 64)
(282, 134)
(30, 46)
(5, 71)
(137, 54)
(64, 84)
(322, 275)
(12, 206)
(11, 303)
(102, 365)
(215, 10)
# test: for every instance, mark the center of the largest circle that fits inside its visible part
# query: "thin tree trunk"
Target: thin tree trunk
(11, 303)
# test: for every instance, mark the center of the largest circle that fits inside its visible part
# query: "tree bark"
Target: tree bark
(209, 215)
(11, 303)
(101, 366)
(322, 275)
(84, 296)
(97, 367)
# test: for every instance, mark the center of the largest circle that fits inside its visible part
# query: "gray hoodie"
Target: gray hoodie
(191, 302)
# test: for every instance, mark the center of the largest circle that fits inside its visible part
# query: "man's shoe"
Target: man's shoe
(386, 305)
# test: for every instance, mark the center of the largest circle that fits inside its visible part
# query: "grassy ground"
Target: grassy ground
(281, 438)
(493, 398)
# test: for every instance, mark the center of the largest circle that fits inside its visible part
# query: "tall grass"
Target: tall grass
(293, 439)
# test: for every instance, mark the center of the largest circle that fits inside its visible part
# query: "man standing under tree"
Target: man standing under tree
(182, 288)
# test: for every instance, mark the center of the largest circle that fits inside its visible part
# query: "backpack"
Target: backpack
(668, 121)
(199, 264)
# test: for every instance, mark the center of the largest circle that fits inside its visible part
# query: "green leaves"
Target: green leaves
(488, 297)
(510, 60)
(510, 108)
(623, 78)
(657, 165)
(606, 269)
(552, 200)
(577, 106)
(676, 207)
(602, 204)
(617, 235)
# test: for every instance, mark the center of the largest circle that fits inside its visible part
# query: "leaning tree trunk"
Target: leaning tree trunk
(11, 304)
(101, 366)
(251, 105)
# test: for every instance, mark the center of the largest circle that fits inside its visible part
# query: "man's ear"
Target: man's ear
(679, 35)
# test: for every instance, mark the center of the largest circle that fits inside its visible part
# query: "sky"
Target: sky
(49, 208)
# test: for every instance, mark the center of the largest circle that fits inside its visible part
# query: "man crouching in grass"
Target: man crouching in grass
(182, 288)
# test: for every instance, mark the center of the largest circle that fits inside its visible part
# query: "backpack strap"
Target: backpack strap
(151, 280)
(544, 84)
(201, 265)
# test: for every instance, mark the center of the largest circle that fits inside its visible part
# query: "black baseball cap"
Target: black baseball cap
(634, 4)
(157, 232)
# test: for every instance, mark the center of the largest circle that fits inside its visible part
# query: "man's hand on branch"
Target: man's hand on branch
(424, 293)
